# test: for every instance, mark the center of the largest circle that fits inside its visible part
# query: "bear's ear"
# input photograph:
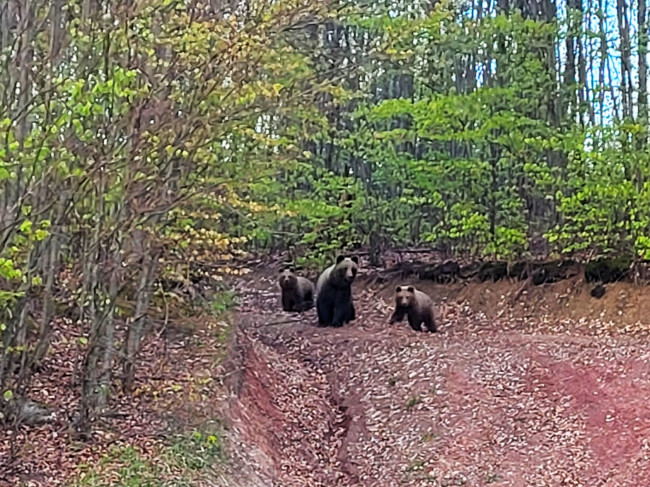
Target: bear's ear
(281, 270)
(339, 259)
(355, 259)
(411, 289)
(399, 289)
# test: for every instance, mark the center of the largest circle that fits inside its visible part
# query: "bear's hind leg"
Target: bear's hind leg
(430, 323)
(304, 306)
(307, 301)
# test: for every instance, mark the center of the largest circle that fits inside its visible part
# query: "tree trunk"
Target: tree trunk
(626, 68)
(138, 323)
(643, 70)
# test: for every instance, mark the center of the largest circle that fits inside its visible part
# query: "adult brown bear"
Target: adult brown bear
(334, 292)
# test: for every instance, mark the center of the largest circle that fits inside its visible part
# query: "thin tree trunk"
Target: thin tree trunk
(582, 66)
(570, 70)
(49, 269)
(137, 326)
(603, 63)
(626, 75)
(643, 68)
(101, 348)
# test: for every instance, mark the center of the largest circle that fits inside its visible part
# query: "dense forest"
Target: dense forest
(140, 141)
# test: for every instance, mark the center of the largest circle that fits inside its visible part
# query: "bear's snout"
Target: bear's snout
(403, 302)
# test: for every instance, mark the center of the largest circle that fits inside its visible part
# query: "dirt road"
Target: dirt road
(489, 400)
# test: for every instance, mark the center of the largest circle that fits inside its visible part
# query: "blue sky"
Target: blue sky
(613, 67)
(592, 48)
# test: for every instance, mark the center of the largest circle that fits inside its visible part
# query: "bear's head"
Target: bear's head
(287, 279)
(404, 296)
(346, 268)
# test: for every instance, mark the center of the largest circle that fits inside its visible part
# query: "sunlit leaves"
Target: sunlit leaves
(144, 112)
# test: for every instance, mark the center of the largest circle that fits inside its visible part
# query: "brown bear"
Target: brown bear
(416, 305)
(334, 292)
(297, 291)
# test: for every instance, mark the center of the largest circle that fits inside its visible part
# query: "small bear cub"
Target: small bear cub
(416, 305)
(297, 292)
(334, 292)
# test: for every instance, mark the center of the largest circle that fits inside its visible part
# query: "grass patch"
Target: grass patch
(492, 478)
(222, 302)
(413, 401)
(428, 437)
(181, 462)
(415, 465)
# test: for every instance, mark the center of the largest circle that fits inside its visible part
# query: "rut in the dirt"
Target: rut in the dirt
(484, 402)
(286, 408)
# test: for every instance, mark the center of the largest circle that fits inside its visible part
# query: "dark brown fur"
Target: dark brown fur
(416, 305)
(334, 288)
(297, 292)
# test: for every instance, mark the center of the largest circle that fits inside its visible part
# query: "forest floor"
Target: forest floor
(166, 432)
(522, 386)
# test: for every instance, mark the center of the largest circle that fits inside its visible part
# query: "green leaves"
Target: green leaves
(8, 270)
(26, 227)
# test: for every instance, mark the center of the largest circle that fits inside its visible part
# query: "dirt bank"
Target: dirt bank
(524, 385)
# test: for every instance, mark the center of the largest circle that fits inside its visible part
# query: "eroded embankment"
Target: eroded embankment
(289, 423)
(540, 385)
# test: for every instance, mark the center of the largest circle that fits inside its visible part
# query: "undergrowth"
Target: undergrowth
(187, 455)
(185, 459)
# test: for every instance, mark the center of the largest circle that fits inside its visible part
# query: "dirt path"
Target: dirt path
(487, 401)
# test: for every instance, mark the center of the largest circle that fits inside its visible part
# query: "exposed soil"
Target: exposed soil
(522, 386)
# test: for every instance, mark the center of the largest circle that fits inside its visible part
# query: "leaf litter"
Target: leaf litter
(508, 393)
(177, 384)
(499, 397)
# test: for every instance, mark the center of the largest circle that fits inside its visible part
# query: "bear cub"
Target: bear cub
(334, 292)
(297, 291)
(416, 305)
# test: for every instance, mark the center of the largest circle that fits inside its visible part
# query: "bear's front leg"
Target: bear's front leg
(397, 316)
(324, 307)
(287, 303)
(341, 315)
(415, 323)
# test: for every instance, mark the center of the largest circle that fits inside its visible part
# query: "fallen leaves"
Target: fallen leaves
(517, 399)
(520, 399)
(173, 388)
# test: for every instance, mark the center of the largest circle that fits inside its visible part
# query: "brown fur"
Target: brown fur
(416, 305)
(297, 292)
(334, 288)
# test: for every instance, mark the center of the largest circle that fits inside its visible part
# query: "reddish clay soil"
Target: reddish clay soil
(539, 386)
